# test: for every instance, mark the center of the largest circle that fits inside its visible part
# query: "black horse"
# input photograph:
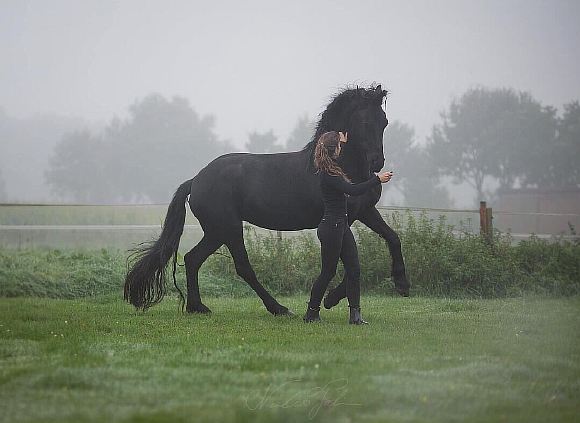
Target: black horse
(273, 191)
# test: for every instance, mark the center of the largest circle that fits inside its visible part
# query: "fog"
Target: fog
(260, 65)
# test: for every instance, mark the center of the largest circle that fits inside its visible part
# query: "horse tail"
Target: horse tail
(145, 281)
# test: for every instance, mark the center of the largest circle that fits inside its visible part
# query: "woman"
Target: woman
(336, 238)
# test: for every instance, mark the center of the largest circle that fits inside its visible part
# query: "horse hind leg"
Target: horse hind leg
(193, 261)
(245, 271)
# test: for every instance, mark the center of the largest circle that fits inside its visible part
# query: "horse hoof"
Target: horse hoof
(402, 286)
(284, 312)
(330, 301)
(358, 322)
(312, 315)
(403, 292)
(280, 310)
(199, 309)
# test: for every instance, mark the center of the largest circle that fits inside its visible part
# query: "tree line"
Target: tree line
(501, 136)
(510, 137)
(485, 135)
(144, 157)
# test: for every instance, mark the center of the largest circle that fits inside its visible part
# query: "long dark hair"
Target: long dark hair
(324, 155)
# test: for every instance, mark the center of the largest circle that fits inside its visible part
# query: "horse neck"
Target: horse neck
(353, 163)
(355, 166)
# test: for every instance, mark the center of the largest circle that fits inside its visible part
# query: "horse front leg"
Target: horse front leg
(336, 294)
(373, 219)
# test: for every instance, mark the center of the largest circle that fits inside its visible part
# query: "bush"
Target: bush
(284, 265)
(443, 262)
(440, 261)
(550, 267)
(60, 274)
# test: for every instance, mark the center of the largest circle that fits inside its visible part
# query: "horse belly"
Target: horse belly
(260, 189)
(282, 212)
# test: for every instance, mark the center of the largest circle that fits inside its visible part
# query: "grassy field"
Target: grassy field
(420, 359)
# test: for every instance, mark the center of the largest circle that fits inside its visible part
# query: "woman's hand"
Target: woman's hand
(385, 176)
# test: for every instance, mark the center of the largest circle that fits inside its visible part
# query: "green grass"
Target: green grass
(438, 264)
(69, 274)
(420, 359)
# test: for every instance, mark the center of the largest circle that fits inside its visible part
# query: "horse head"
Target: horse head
(359, 112)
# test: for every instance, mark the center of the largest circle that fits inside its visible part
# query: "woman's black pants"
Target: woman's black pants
(337, 241)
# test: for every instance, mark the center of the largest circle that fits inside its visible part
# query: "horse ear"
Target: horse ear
(380, 94)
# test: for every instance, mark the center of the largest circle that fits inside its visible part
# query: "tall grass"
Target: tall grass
(60, 274)
(440, 261)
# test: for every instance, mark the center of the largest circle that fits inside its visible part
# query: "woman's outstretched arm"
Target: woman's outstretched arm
(340, 184)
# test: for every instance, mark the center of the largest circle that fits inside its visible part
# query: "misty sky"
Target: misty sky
(257, 65)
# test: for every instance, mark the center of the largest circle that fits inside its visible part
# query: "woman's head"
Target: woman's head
(328, 148)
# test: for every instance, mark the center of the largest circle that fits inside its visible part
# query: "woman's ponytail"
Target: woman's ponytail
(324, 153)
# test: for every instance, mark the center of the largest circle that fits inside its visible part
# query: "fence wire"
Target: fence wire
(33, 225)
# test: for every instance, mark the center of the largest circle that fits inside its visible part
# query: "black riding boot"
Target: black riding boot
(312, 314)
(356, 317)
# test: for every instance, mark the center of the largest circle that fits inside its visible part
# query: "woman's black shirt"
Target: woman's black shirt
(335, 190)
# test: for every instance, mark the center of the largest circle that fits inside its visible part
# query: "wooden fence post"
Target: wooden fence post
(482, 218)
(489, 224)
(486, 221)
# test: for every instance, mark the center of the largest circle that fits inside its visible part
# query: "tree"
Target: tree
(399, 140)
(554, 164)
(144, 158)
(77, 168)
(423, 188)
(488, 134)
(301, 134)
(414, 175)
(25, 147)
(264, 142)
(162, 144)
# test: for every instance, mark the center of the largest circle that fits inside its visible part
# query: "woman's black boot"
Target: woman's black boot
(312, 314)
(356, 317)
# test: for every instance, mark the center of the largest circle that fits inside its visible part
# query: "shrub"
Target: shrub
(440, 261)
(285, 265)
(550, 267)
(60, 274)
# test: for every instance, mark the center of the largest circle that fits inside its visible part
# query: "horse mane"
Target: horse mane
(349, 99)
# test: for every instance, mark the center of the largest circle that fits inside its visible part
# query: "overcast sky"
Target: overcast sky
(257, 65)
